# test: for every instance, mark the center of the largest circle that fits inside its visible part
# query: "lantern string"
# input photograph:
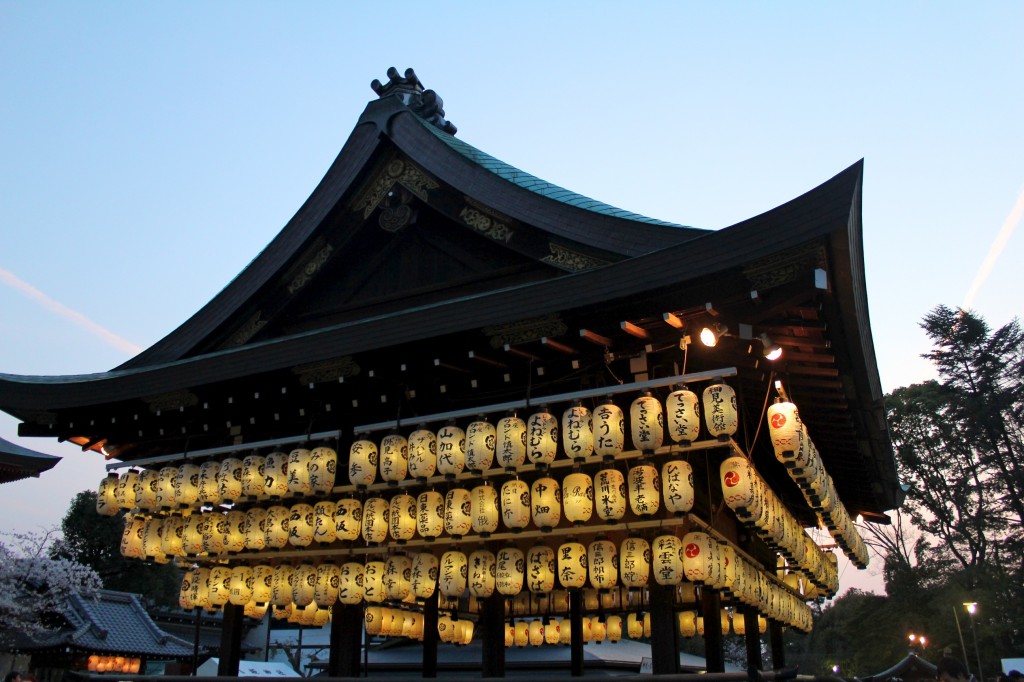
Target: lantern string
(764, 410)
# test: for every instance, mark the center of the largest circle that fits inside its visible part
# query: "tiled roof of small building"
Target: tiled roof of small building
(17, 462)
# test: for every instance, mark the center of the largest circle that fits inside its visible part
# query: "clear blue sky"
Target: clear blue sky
(150, 150)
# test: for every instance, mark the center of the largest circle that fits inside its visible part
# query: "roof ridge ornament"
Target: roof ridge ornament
(426, 104)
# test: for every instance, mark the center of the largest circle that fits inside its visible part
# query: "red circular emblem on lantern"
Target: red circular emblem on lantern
(778, 420)
(692, 550)
(731, 479)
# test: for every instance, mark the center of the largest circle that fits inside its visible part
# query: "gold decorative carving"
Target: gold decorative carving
(329, 370)
(567, 259)
(246, 331)
(486, 225)
(524, 331)
(172, 401)
(785, 267)
(399, 172)
(310, 269)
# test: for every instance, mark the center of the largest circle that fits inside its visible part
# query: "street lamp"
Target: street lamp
(972, 607)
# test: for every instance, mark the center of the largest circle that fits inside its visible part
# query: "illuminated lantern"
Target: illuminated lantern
(510, 447)
(145, 490)
(609, 427)
(508, 576)
(515, 504)
(644, 490)
(610, 495)
(598, 630)
(614, 628)
(540, 569)
(647, 625)
(192, 534)
(634, 626)
(277, 527)
(323, 465)
(646, 423)
(220, 585)
(300, 525)
(546, 503)
(171, 539)
(362, 463)
(738, 484)
(397, 575)
(510, 635)
(739, 625)
(125, 493)
(394, 458)
(152, 544)
(785, 428)
(241, 585)
(720, 413)
(578, 497)
(430, 514)
(254, 610)
(373, 581)
(253, 477)
(323, 521)
(535, 632)
(480, 441)
(762, 624)
(667, 560)
(552, 632)
(425, 568)
(374, 620)
(591, 600)
(215, 532)
(283, 612)
(200, 596)
(350, 583)
(451, 451)
(254, 528)
(298, 472)
(464, 632)
(677, 482)
(106, 496)
(687, 623)
(484, 509)
(603, 564)
(209, 489)
(229, 480)
(446, 629)
(698, 549)
(727, 554)
(422, 453)
(542, 438)
(165, 488)
(402, 519)
(185, 593)
(275, 472)
(453, 574)
(235, 541)
(572, 565)
(682, 416)
(348, 519)
(458, 512)
(375, 520)
(482, 568)
(262, 583)
(635, 563)
(577, 433)
(522, 633)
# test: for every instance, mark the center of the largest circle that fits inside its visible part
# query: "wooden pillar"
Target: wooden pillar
(346, 640)
(778, 648)
(430, 636)
(753, 641)
(492, 626)
(576, 632)
(714, 653)
(664, 641)
(230, 641)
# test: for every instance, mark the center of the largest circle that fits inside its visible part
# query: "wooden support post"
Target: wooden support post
(492, 625)
(346, 640)
(230, 641)
(430, 636)
(778, 647)
(664, 641)
(714, 653)
(753, 641)
(576, 632)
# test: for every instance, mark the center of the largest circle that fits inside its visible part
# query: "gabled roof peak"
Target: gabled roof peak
(424, 103)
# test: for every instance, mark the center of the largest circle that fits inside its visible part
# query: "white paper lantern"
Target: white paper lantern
(482, 569)
(682, 410)
(185, 592)
(220, 586)
(373, 582)
(644, 490)
(173, 533)
(145, 489)
(253, 477)
(542, 438)
(614, 626)
(510, 447)
(394, 458)
(373, 620)
(451, 451)
(348, 519)
(192, 534)
(484, 509)
(186, 485)
(106, 496)
(510, 635)
(362, 463)
(667, 560)
(350, 583)
(277, 522)
(535, 632)
(510, 568)
(635, 562)
(578, 497)
(610, 495)
(125, 493)
(430, 514)
(458, 512)
(376, 511)
(152, 543)
(324, 530)
(262, 583)
(165, 488)
(209, 489)
(241, 585)
(235, 541)
(677, 482)
(215, 532)
(229, 480)
(688, 623)
(300, 525)
(540, 569)
(698, 549)
(609, 431)
(720, 411)
(481, 438)
(402, 519)
(323, 466)
(275, 471)
(515, 504)
(578, 432)
(546, 503)
(200, 596)
(398, 576)
(552, 632)
(453, 573)
(572, 565)
(647, 423)
(785, 429)
(425, 569)
(298, 471)
(603, 564)
(422, 453)
(739, 483)
(634, 626)
(522, 633)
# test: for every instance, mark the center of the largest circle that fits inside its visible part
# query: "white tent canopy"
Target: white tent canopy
(250, 669)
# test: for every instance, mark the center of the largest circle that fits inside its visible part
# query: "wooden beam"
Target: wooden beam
(473, 355)
(557, 345)
(521, 353)
(595, 338)
(633, 330)
(672, 321)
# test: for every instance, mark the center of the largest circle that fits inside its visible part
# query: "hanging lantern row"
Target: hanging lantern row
(692, 625)
(759, 508)
(116, 664)
(381, 621)
(558, 631)
(795, 449)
